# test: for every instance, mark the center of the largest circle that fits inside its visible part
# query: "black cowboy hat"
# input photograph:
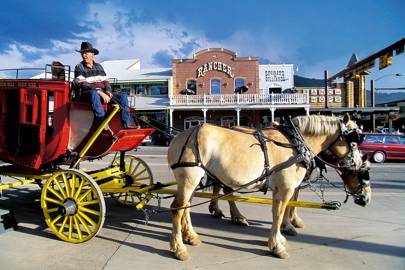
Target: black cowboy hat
(87, 47)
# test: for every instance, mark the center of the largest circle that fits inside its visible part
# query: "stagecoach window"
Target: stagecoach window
(215, 87)
(51, 99)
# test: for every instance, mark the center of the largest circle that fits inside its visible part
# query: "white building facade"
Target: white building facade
(276, 78)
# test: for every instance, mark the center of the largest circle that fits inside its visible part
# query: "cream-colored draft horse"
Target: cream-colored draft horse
(291, 218)
(236, 158)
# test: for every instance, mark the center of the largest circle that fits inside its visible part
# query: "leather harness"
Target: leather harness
(303, 156)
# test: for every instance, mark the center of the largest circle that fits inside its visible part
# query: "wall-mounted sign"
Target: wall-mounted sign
(218, 66)
(275, 76)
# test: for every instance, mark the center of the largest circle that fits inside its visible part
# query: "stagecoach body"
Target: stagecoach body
(42, 129)
(40, 125)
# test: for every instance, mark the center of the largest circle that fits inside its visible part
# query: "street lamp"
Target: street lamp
(372, 88)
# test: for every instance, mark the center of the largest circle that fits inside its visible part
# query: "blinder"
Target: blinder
(352, 135)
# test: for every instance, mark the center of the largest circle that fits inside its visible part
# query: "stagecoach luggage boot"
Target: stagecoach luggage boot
(7, 221)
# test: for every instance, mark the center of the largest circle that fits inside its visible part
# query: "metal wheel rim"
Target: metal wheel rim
(141, 175)
(378, 157)
(80, 190)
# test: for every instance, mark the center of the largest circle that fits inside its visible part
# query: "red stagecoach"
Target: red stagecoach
(45, 134)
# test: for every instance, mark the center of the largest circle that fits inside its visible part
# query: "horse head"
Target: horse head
(353, 168)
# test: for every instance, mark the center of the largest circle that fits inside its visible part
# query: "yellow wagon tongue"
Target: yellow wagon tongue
(304, 204)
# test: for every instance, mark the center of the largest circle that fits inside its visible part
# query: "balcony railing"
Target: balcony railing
(240, 99)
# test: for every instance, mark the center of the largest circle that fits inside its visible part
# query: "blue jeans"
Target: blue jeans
(120, 98)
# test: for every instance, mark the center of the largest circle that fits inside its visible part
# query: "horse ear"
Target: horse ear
(346, 118)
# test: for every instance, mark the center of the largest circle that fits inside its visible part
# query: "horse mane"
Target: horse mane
(317, 125)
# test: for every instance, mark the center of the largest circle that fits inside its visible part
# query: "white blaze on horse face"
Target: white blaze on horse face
(357, 157)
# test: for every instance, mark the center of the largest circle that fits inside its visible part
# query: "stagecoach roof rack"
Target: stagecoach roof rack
(54, 71)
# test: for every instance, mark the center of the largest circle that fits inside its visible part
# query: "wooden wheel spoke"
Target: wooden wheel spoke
(83, 222)
(78, 230)
(54, 192)
(142, 178)
(84, 195)
(56, 219)
(141, 172)
(62, 226)
(79, 189)
(73, 185)
(136, 168)
(55, 180)
(130, 165)
(65, 182)
(88, 219)
(90, 211)
(89, 202)
(54, 201)
(70, 227)
(52, 210)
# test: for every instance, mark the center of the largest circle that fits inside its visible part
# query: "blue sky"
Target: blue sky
(313, 35)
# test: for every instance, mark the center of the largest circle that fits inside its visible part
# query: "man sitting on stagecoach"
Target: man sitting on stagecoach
(93, 86)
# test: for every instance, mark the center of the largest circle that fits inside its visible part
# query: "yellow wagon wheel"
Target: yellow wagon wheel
(137, 173)
(73, 205)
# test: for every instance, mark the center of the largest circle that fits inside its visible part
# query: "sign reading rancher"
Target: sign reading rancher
(218, 66)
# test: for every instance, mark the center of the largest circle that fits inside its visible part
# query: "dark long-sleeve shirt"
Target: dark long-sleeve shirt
(91, 78)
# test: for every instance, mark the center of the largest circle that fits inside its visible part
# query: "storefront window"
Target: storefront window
(193, 121)
(228, 121)
(192, 85)
(155, 90)
(143, 88)
(239, 83)
(215, 87)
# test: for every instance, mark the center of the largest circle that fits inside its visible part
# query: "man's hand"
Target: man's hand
(104, 96)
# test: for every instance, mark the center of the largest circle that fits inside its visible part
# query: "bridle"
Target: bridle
(349, 167)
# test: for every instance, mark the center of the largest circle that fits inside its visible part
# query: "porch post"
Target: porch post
(171, 117)
(237, 116)
(273, 110)
(205, 115)
(307, 111)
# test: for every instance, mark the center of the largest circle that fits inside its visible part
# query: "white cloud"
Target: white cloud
(118, 34)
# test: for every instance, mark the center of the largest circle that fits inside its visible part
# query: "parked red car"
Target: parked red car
(380, 147)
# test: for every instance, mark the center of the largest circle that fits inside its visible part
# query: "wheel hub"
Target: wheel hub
(69, 208)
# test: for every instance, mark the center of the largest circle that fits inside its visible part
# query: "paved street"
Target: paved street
(350, 238)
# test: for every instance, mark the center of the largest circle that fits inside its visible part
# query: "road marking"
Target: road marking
(385, 165)
(149, 155)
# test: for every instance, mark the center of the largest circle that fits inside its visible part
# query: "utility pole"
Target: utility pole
(326, 88)
(372, 88)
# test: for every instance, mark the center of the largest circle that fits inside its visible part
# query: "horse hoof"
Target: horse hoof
(194, 242)
(289, 231)
(240, 221)
(282, 255)
(182, 255)
(298, 223)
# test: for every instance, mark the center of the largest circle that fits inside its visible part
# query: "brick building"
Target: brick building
(217, 86)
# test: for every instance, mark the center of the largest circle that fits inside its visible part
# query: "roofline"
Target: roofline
(362, 64)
